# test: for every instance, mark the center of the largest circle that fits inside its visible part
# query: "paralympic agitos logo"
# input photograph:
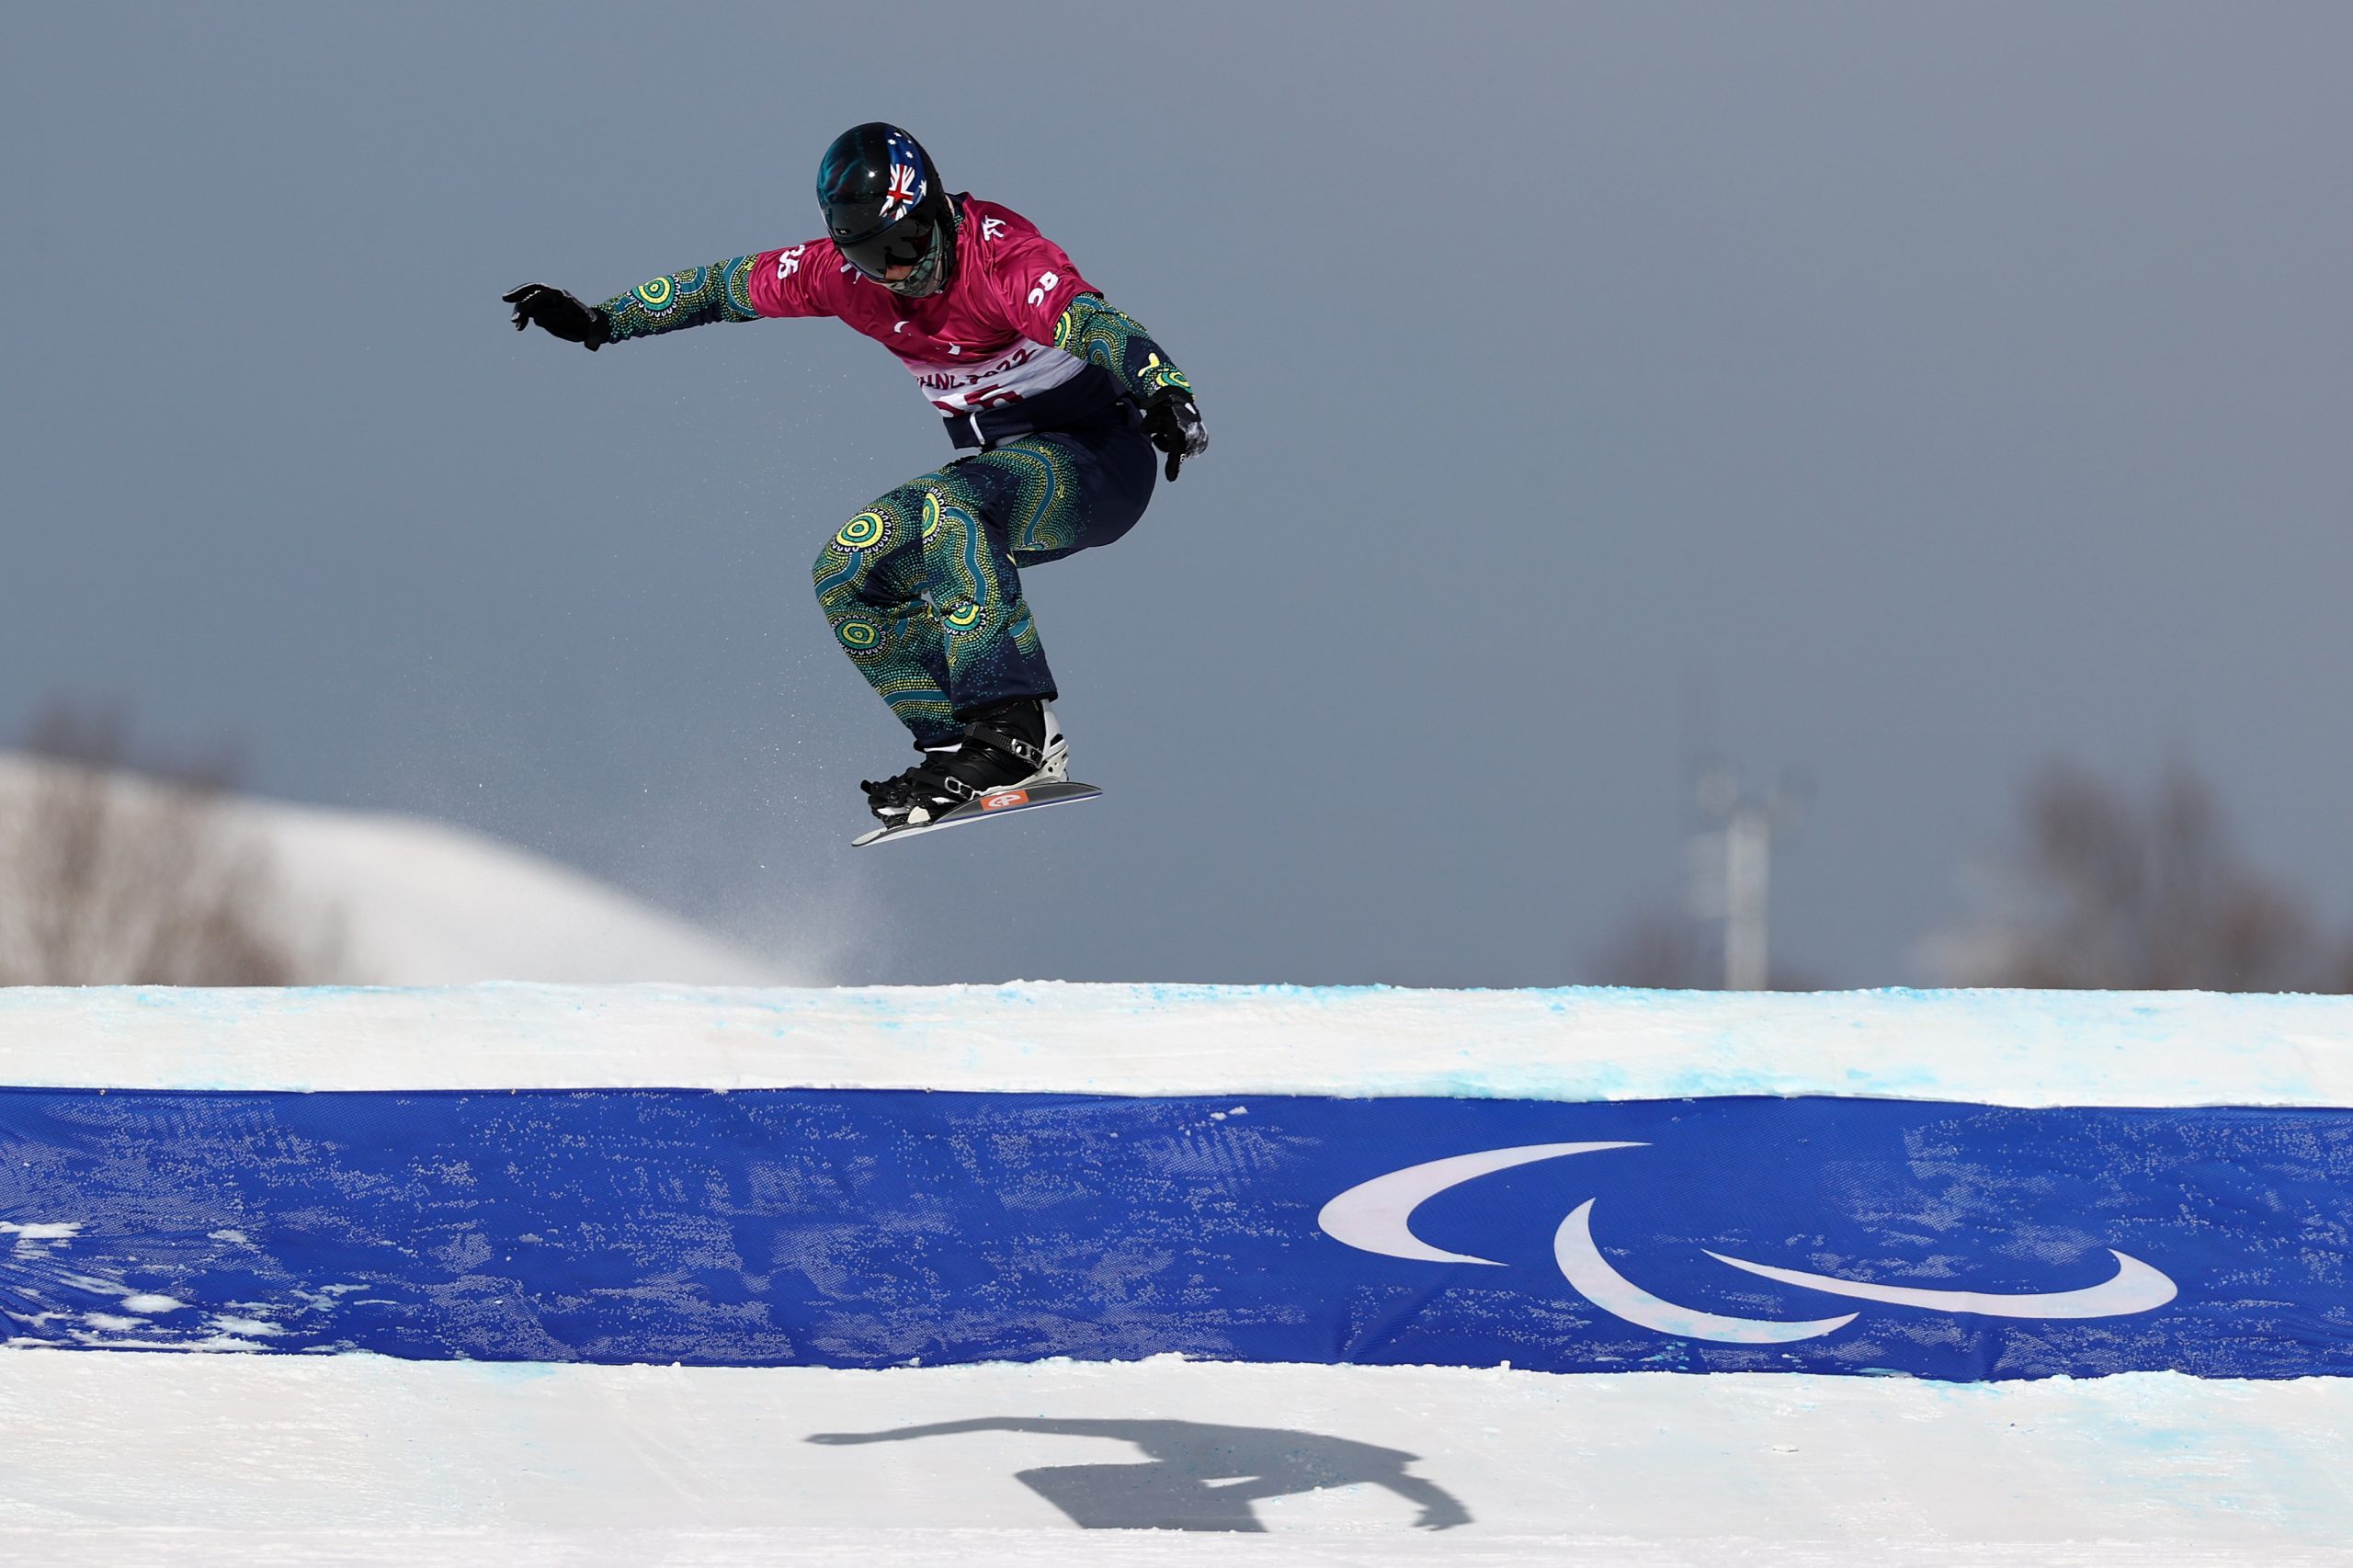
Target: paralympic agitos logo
(1376, 1216)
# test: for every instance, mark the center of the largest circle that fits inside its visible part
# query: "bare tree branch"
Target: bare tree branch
(2111, 893)
(106, 878)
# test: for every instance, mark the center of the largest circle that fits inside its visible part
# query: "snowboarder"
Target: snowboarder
(1057, 398)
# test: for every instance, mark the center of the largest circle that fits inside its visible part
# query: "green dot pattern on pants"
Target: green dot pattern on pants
(864, 531)
(923, 587)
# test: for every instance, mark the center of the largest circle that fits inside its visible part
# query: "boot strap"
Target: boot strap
(1012, 745)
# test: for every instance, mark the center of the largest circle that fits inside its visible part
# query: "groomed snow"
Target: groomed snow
(1987, 1047)
(363, 1459)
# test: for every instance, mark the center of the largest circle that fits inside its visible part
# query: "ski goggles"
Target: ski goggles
(912, 242)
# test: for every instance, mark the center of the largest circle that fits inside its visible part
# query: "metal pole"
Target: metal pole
(1748, 856)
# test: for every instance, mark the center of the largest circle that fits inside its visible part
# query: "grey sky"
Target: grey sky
(1942, 387)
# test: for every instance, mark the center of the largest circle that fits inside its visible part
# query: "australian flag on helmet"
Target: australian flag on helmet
(908, 181)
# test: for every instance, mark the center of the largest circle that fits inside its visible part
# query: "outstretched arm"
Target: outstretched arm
(742, 287)
(722, 292)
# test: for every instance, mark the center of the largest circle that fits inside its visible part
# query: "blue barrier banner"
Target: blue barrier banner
(874, 1228)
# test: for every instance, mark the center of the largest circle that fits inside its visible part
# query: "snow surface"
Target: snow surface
(248, 1459)
(364, 1460)
(404, 900)
(426, 904)
(1582, 1044)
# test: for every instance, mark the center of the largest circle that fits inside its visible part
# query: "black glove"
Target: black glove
(1175, 425)
(560, 313)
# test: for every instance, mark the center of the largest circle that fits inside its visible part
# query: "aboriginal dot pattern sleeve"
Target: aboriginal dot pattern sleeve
(701, 294)
(1092, 331)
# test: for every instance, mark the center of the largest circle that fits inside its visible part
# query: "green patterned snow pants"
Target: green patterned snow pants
(922, 588)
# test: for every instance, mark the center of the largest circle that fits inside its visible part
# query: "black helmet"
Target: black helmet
(885, 208)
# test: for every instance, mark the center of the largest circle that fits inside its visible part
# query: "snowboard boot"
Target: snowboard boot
(1004, 746)
(890, 799)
